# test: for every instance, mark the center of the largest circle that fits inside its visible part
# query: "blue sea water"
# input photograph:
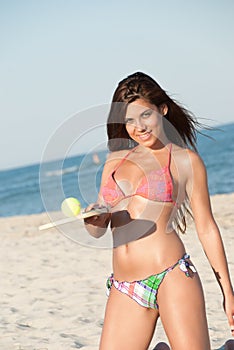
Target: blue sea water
(22, 192)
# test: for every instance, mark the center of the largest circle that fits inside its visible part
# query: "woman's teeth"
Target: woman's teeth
(145, 136)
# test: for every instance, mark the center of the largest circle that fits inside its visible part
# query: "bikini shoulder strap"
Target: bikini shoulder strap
(169, 156)
(123, 159)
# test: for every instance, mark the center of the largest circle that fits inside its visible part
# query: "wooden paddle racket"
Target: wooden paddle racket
(82, 215)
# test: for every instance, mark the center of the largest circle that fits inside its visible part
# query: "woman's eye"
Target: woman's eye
(129, 121)
(146, 114)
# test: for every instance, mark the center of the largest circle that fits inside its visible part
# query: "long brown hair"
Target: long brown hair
(141, 86)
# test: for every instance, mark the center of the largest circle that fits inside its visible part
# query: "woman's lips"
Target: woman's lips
(145, 136)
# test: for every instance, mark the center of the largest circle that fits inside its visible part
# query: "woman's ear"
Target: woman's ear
(163, 109)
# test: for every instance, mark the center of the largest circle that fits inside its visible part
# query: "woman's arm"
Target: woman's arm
(208, 231)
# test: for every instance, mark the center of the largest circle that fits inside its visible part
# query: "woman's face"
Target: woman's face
(144, 122)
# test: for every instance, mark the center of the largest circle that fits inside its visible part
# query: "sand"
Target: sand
(52, 289)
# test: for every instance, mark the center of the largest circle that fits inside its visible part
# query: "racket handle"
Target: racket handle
(83, 215)
(56, 223)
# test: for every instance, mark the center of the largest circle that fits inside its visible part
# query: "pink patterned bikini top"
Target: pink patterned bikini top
(156, 186)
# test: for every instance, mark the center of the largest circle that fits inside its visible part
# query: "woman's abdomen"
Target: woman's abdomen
(147, 256)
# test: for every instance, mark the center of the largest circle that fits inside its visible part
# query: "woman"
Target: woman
(150, 180)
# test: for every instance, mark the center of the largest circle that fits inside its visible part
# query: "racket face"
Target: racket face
(89, 214)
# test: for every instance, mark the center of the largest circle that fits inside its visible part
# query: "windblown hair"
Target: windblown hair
(141, 86)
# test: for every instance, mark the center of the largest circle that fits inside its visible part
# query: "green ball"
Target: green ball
(70, 207)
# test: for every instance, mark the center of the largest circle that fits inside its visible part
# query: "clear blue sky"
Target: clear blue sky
(61, 57)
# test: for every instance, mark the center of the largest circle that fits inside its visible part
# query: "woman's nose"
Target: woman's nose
(139, 125)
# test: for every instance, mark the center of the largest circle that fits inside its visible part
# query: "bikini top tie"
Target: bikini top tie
(157, 185)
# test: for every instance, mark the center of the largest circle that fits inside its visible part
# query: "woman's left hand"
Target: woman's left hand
(228, 305)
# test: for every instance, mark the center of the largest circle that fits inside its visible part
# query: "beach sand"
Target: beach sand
(53, 290)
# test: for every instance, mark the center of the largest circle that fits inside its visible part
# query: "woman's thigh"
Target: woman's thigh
(182, 311)
(127, 325)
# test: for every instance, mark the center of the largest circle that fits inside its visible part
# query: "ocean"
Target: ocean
(23, 192)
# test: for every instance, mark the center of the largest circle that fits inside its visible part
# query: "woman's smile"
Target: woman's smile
(145, 136)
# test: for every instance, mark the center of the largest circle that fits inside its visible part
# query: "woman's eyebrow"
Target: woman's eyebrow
(141, 114)
(127, 116)
(146, 110)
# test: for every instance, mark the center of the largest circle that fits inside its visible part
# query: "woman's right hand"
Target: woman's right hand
(100, 220)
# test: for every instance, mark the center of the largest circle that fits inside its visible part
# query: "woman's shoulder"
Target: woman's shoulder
(114, 155)
(187, 156)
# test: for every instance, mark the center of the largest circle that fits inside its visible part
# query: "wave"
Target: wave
(59, 172)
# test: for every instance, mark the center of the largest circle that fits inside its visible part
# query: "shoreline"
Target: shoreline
(212, 197)
(47, 284)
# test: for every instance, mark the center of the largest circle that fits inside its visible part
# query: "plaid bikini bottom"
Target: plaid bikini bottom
(144, 292)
